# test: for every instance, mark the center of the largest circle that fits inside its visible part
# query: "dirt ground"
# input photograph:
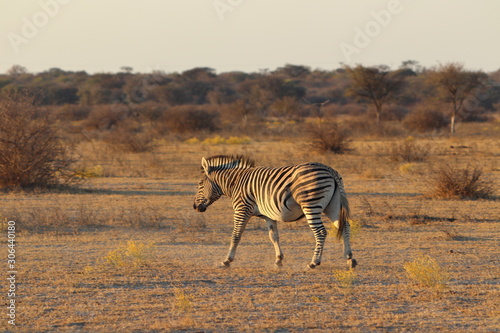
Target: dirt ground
(127, 252)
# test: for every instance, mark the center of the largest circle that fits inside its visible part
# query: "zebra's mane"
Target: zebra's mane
(221, 162)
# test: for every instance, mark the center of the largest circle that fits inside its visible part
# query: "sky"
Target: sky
(99, 36)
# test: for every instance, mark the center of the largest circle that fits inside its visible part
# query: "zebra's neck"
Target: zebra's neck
(226, 179)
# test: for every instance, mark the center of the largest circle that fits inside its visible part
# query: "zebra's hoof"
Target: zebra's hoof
(313, 265)
(352, 263)
(225, 264)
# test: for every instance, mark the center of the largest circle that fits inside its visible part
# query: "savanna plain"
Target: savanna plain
(125, 251)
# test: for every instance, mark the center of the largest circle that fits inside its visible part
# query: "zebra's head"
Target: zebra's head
(208, 190)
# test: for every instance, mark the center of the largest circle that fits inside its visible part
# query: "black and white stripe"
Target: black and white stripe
(277, 194)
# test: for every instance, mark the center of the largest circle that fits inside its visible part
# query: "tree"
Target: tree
(455, 86)
(295, 71)
(17, 70)
(375, 84)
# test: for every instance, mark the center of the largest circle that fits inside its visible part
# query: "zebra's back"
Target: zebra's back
(285, 193)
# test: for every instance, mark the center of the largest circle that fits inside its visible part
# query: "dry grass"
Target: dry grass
(64, 237)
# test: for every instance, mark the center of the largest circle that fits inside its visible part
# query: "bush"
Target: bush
(425, 119)
(326, 136)
(454, 182)
(287, 108)
(190, 118)
(71, 112)
(363, 126)
(131, 136)
(409, 151)
(31, 153)
(105, 117)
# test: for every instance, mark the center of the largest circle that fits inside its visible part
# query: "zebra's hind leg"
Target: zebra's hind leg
(335, 211)
(346, 239)
(272, 225)
(319, 230)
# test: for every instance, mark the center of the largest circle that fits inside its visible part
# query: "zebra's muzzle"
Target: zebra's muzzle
(201, 207)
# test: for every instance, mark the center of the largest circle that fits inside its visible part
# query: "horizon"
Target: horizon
(250, 37)
(131, 71)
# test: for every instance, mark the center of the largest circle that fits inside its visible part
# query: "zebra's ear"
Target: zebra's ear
(205, 166)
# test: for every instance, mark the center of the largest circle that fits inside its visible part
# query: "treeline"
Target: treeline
(44, 116)
(289, 92)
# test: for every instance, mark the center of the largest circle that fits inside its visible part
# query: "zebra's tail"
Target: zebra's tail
(345, 211)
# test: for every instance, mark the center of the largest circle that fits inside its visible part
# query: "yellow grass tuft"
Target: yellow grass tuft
(407, 168)
(345, 279)
(90, 172)
(219, 140)
(131, 254)
(192, 141)
(427, 272)
(183, 302)
(236, 140)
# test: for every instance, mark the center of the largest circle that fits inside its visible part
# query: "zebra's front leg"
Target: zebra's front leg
(272, 225)
(320, 233)
(240, 222)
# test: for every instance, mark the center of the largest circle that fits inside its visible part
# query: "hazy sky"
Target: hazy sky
(246, 35)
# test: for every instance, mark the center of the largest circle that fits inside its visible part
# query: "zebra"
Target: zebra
(277, 194)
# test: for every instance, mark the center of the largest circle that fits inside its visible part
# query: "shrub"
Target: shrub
(287, 108)
(190, 118)
(363, 126)
(105, 117)
(454, 182)
(353, 109)
(131, 136)
(31, 153)
(409, 151)
(425, 119)
(326, 136)
(71, 112)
